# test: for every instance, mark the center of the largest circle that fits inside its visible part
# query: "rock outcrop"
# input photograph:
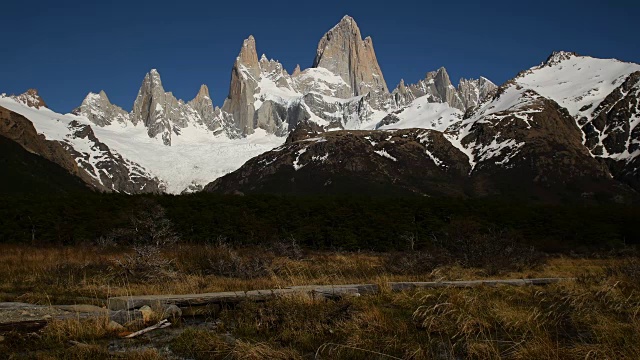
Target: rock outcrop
(557, 57)
(163, 115)
(245, 76)
(438, 88)
(30, 98)
(518, 144)
(473, 91)
(109, 168)
(82, 154)
(100, 111)
(613, 132)
(412, 161)
(207, 115)
(156, 109)
(609, 132)
(19, 129)
(343, 52)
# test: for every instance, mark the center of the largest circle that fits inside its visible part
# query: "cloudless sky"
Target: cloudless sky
(67, 48)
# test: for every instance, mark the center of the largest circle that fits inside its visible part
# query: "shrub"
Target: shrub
(493, 251)
(148, 226)
(227, 262)
(145, 264)
(627, 269)
(221, 259)
(416, 262)
(289, 249)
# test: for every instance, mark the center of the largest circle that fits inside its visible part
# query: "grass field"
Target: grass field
(595, 316)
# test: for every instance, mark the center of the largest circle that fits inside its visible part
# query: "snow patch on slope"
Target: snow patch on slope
(385, 154)
(423, 114)
(296, 164)
(196, 156)
(577, 82)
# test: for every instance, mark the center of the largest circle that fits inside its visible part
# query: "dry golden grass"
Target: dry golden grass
(597, 316)
(63, 275)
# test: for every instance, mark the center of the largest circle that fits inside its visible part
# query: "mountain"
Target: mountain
(437, 87)
(22, 172)
(343, 52)
(162, 114)
(409, 161)
(30, 98)
(344, 89)
(21, 131)
(602, 97)
(121, 157)
(100, 111)
(564, 128)
(73, 146)
(540, 135)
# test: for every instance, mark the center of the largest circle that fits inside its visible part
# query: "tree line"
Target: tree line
(316, 222)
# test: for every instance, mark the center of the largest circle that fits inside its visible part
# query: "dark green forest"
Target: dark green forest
(22, 172)
(339, 223)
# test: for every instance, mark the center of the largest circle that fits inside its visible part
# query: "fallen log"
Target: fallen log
(25, 317)
(127, 303)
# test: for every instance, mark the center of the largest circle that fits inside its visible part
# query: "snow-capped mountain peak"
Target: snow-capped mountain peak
(30, 98)
(100, 111)
(343, 52)
(559, 56)
(345, 89)
(438, 88)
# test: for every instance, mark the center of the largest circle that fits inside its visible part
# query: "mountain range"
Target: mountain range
(562, 129)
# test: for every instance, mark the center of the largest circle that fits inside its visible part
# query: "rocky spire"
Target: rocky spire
(30, 98)
(248, 56)
(559, 56)
(244, 81)
(437, 87)
(473, 91)
(401, 86)
(402, 95)
(151, 91)
(156, 109)
(203, 106)
(443, 88)
(343, 52)
(297, 70)
(202, 97)
(100, 111)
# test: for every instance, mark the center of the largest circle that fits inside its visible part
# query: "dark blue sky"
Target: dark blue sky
(68, 48)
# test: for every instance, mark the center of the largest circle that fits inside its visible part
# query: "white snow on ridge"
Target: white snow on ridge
(426, 115)
(320, 80)
(515, 101)
(495, 149)
(196, 156)
(578, 81)
(269, 90)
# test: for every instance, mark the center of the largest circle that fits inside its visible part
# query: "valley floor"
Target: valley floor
(595, 316)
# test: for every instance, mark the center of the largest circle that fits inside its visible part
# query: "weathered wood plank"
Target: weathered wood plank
(16, 316)
(27, 317)
(327, 291)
